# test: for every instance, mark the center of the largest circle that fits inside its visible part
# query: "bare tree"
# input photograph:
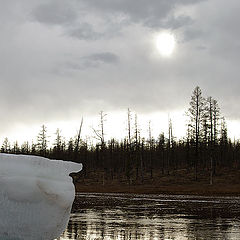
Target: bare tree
(209, 115)
(196, 113)
(58, 140)
(216, 118)
(129, 127)
(136, 131)
(78, 138)
(128, 160)
(99, 133)
(136, 143)
(170, 142)
(223, 132)
(150, 140)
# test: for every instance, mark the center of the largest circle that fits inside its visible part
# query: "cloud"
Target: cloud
(92, 61)
(105, 57)
(55, 12)
(177, 22)
(150, 13)
(85, 31)
(61, 59)
(93, 19)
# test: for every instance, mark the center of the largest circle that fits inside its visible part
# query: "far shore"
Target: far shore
(225, 183)
(193, 189)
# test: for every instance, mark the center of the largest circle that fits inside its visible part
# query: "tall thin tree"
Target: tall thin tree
(196, 113)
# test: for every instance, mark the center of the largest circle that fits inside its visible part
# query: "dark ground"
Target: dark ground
(225, 182)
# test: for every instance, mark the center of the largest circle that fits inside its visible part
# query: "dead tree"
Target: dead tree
(100, 136)
(196, 113)
(150, 148)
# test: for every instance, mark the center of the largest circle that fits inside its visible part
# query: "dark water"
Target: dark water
(123, 216)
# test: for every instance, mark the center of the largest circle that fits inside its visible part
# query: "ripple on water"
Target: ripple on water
(125, 216)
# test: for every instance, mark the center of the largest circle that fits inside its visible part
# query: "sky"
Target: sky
(61, 60)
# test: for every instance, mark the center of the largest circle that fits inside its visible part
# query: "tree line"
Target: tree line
(205, 148)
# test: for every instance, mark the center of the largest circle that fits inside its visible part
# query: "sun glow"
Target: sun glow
(165, 43)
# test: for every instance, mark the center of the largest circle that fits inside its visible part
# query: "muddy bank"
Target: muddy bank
(193, 189)
(178, 182)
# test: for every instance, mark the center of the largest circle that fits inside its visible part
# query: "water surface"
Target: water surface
(175, 217)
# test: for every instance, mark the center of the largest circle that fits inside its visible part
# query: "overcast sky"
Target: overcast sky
(64, 59)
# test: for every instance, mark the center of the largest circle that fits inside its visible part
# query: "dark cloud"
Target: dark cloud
(85, 31)
(55, 12)
(92, 61)
(192, 34)
(177, 22)
(150, 13)
(80, 17)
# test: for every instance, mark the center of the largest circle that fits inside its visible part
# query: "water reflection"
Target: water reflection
(102, 216)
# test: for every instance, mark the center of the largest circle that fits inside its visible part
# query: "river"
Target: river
(175, 217)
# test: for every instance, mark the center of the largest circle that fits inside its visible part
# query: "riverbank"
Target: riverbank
(225, 183)
(194, 189)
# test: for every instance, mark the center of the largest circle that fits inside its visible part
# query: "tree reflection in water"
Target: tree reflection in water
(153, 217)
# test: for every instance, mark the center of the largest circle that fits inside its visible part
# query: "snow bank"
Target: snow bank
(36, 196)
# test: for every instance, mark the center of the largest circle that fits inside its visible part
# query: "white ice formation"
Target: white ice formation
(36, 196)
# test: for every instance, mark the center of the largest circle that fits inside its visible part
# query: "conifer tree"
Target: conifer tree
(196, 114)
(42, 141)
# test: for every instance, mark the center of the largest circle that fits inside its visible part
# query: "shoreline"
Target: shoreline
(179, 182)
(193, 189)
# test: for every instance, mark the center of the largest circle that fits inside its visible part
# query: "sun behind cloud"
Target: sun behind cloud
(165, 43)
